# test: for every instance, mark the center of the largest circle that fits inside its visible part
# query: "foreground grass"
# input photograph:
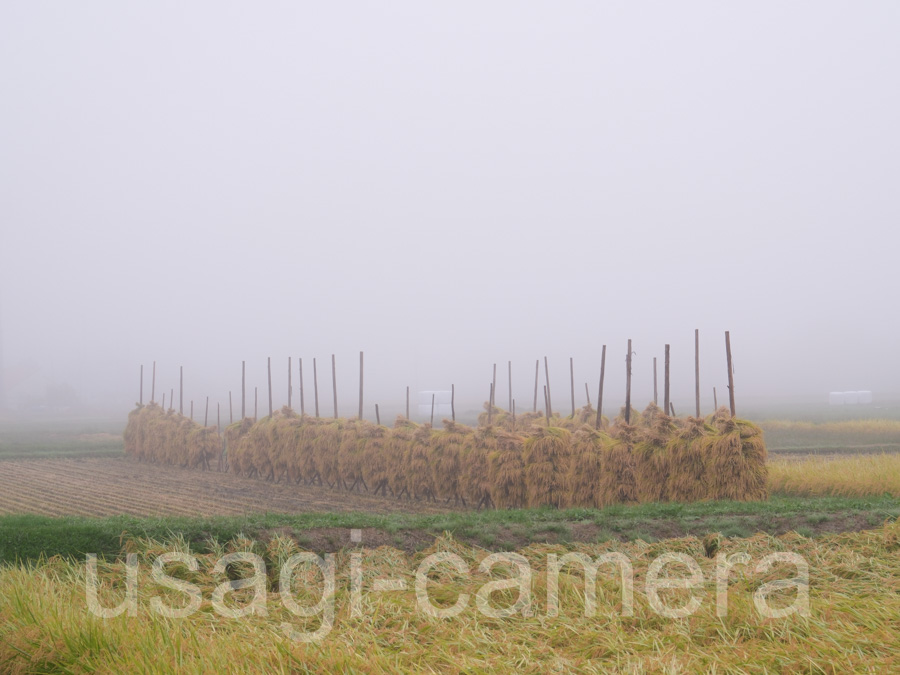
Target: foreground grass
(851, 626)
(30, 537)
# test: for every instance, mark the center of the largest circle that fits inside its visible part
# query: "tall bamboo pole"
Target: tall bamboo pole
(243, 390)
(730, 371)
(572, 381)
(628, 385)
(547, 377)
(667, 407)
(537, 369)
(600, 391)
(697, 368)
(302, 402)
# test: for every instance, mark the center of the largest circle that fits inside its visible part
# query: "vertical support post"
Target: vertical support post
(667, 407)
(587, 394)
(141, 397)
(494, 386)
(655, 390)
(491, 406)
(360, 385)
(334, 384)
(628, 385)
(600, 392)
(547, 377)
(180, 390)
(572, 381)
(432, 410)
(715, 400)
(537, 370)
(547, 405)
(316, 387)
(697, 368)
(730, 371)
(243, 390)
(377, 416)
(153, 385)
(453, 401)
(290, 385)
(302, 402)
(510, 386)
(270, 387)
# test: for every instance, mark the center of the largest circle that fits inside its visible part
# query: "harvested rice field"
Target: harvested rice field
(110, 486)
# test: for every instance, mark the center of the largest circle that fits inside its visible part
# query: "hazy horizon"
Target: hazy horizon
(446, 187)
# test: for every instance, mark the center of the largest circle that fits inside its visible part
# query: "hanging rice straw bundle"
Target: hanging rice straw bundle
(419, 476)
(474, 484)
(398, 449)
(526, 420)
(350, 454)
(687, 460)
(547, 455)
(506, 471)
(205, 445)
(736, 461)
(651, 455)
(617, 484)
(581, 485)
(375, 468)
(307, 433)
(447, 449)
(498, 416)
(326, 445)
(236, 449)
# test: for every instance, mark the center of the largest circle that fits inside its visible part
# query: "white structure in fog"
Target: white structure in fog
(442, 405)
(849, 397)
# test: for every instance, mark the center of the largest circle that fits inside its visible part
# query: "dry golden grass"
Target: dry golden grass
(840, 476)
(854, 602)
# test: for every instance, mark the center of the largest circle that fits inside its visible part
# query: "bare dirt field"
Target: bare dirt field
(100, 486)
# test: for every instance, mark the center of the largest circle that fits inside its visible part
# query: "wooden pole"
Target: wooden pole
(537, 370)
(547, 377)
(141, 398)
(715, 400)
(407, 402)
(243, 390)
(494, 386)
(316, 387)
(547, 405)
(490, 406)
(453, 401)
(510, 386)
(334, 384)
(206, 414)
(377, 415)
(697, 368)
(230, 409)
(600, 392)
(270, 386)
(181, 390)
(666, 407)
(655, 390)
(290, 385)
(572, 382)
(302, 402)
(360, 385)
(153, 385)
(672, 409)
(432, 410)
(628, 385)
(587, 394)
(730, 371)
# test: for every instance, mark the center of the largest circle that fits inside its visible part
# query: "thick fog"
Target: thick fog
(445, 187)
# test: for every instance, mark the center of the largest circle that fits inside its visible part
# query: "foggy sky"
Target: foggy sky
(446, 186)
